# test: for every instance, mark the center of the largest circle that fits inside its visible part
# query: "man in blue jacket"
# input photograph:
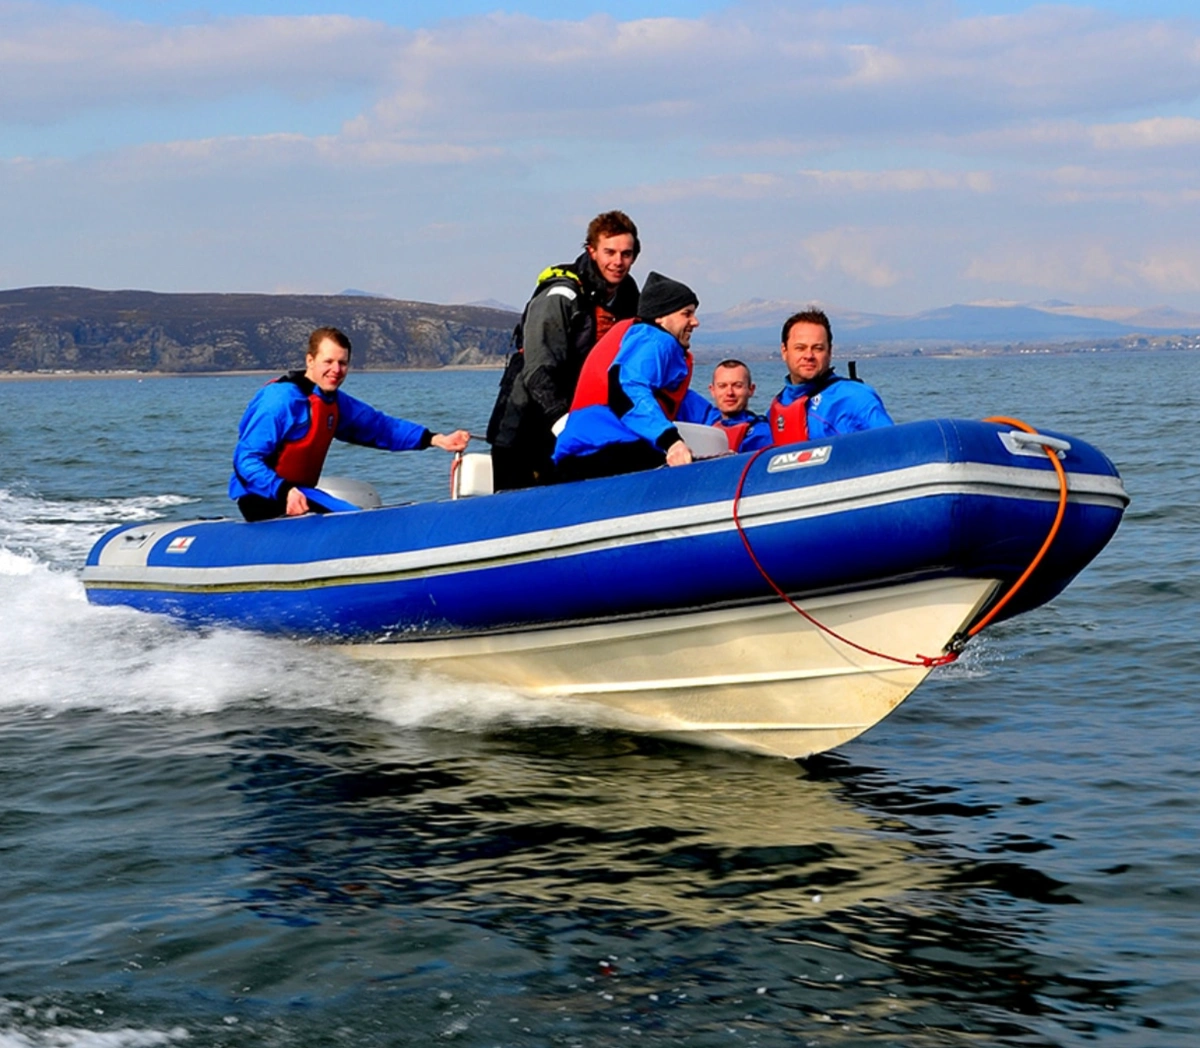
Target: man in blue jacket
(815, 403)
(730, 390)
(289, 424)
(633, 388)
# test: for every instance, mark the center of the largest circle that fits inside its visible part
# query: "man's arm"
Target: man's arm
(696, 409)
(550, 373)
(863, 410)
(648, 361)
(359, 423)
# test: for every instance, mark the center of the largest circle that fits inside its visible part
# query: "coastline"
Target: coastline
(33, 376)
(704, 355)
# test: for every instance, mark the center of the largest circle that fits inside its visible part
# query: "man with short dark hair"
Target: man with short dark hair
(287, 428)
(633, 388)
(572, 308)
(815, 403)
(730, 390)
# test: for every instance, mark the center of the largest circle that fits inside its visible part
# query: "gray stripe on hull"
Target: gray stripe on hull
(882, 489)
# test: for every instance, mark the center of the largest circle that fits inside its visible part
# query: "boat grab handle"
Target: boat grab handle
(1019, 442)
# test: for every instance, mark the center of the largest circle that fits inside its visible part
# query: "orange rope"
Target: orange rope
(1016, 423)
(957, 642)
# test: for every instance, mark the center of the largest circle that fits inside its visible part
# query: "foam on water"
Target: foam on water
(16, 1034)
(61, 532)
(78, 1037)
(62, 653)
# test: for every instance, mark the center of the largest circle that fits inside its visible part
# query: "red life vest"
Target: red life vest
(670, 400)
(300, 461)
(605, 322)
(593, 387)
(789, 425)
(735, 434)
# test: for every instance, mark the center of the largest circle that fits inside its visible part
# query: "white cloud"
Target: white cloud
(1081, 267)
(855, 252)
(1155, 133)
(1172, 270)
(746, 186)
(289, 150)
(902, 181)
(763, 185)
(892, 155)
(750, 71)
(56, 63)
(1076, 268)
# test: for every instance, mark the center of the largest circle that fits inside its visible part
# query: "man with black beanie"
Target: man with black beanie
(633, 388)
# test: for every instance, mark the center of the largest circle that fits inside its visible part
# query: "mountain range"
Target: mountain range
(758, 321)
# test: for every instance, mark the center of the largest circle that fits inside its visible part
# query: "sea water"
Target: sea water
(215, 838)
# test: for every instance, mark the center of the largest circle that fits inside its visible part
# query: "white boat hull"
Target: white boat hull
(651, 596)
(761, 678)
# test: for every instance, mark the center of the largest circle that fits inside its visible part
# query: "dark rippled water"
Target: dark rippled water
(219, 839)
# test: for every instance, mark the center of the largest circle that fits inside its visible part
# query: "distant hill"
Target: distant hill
(758, 322)
(492, 303)
(989, 324)
(80, 329)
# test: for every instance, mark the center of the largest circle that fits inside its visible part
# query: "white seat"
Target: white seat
(705, 441)
(471, 475)
(357, 492)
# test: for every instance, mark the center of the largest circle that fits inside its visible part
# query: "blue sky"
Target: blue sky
(884, 156)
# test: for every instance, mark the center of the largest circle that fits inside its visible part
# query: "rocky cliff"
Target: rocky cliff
(79, 329)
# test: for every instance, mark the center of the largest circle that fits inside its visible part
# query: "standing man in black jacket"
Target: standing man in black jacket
(572, 307)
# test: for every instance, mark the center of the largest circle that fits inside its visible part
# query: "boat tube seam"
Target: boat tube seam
(741, 727)
(911, 484)
(714, 681)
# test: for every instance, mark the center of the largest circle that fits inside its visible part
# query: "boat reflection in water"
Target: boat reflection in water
(549, 861)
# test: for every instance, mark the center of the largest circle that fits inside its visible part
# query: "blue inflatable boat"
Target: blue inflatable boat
(782, 602)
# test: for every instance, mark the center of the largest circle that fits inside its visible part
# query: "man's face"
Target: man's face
(328, 366)
(807, 352)
(731, 389)
(681, 324)
(613, 257)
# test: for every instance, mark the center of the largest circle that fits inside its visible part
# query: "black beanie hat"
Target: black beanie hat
(662, 296)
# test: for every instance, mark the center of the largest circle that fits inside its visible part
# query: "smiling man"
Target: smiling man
(816, 403)
(289, 424)
(730, 390)
(572, 308)
(634, 388)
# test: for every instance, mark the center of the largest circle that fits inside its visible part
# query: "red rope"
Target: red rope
(919, 660)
